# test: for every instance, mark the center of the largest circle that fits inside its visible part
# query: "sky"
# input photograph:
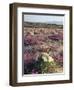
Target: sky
(53, 19)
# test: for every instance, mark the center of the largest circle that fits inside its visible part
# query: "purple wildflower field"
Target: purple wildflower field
(43, 48)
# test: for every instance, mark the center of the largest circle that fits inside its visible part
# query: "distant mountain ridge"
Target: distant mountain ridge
(42, 25)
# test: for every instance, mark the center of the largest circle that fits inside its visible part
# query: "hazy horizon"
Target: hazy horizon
(50, 19)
